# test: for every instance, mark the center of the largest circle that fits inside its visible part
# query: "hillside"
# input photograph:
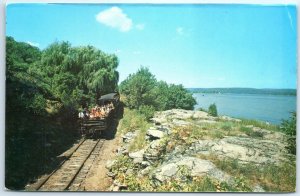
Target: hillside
(184, 150)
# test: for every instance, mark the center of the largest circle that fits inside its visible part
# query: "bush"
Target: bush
(212, 110)
(289, 128)
(147, 111)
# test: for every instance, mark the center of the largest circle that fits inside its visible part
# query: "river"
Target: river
(269, 108)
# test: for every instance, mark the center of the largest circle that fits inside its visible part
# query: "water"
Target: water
(269, 108)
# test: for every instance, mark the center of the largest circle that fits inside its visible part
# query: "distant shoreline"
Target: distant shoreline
(291, 92)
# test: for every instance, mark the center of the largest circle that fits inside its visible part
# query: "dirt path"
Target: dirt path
(97, 180)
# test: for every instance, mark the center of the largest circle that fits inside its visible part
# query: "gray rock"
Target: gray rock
(156, 144)
(118, 184)
(164, 129)
(256, 128)
(180, 123)
(111, 174)
(258, 188)
(166, 172)
(122, 150)
(200, 115)
(146, 171)
(138, 160)
(198, 167)
(221, 176)
(145, 163)
(230, 119)
(129, 171)
(129, 136)
(137, 154)
(155, 134)
(110, 164)
(207, 121)
(151, 154)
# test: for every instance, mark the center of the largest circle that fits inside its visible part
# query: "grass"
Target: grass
(133, 121)
(273, 178)
(260, 124)
(216, 130)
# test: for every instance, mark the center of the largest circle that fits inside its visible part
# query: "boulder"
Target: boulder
(166, 171)
(145, 163)
(197, 167)
(145, 171)
(137, 154)
(122, 150)
(110, 164)
(111, 174)
(229, 118)
(129, 136)
(155, 134)
(180, 123)
(200, 115)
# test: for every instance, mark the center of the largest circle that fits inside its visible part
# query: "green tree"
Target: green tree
(289, 128)
(138, 89)
(179, 97)
(212, 110)
(141, 89)
(77, 75)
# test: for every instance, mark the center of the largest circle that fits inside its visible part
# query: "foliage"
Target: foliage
(44, 89)
(134, 121)
(175, 96)
(289, 128)
(212, 110)
(147, 111)
(260, 124)
(141, 89)
(131, 121)
(85, 73)
(272, 177)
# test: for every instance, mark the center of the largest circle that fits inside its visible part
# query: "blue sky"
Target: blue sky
(194, 45)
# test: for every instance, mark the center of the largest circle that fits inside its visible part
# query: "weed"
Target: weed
(260, 124)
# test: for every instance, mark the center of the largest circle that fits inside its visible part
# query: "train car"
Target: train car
(99, 118)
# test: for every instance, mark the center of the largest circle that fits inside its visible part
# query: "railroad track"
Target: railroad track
(72, 172)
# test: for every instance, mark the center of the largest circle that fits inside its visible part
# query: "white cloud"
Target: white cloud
(179, 30)
(140, 26)
(33, 44)
(115, 18)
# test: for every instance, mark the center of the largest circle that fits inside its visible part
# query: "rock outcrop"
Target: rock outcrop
(190, 157)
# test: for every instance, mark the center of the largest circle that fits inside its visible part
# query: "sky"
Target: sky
(195, 45)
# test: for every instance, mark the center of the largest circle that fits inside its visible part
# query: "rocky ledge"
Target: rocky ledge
(184, 145)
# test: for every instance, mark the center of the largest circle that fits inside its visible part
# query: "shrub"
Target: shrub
(289, 128)
(147, 111)
(202, 110)
(212, 110)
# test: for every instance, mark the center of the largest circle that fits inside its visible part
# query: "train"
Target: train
(98, 120)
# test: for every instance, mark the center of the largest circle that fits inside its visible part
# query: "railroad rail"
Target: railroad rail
(73, 171)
